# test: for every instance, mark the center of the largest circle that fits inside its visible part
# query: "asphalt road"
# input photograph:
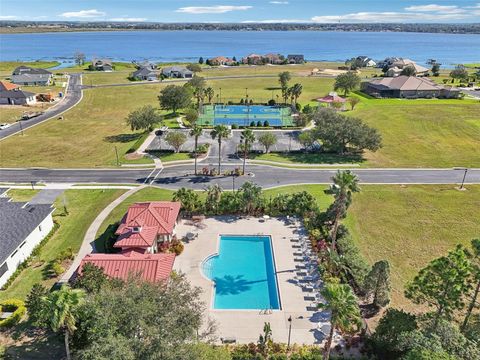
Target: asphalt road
(72, 97)
(265, 176)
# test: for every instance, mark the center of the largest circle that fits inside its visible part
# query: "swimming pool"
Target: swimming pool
(243, 273)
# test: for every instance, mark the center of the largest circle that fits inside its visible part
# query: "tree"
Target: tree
(34, 303)
(173, 97)
(251, 196)
(296, 91)
(195, 132)
(189, 199)
(435, 69)
(60, 307)
(176, 139)
(79, 58)
(442, 284)
(377, 283)
(209, 93)
(247, 138)
(283, 79)
(197, 84)
(144, 118)
(476, 277)
(424, 354)
(393, 323)
(212, 200)
(194, 67)
(459, 73)
(345, 313)
(200, 60)
(191, 116)
(145, 320)
(342, 134)
(306, 139)
(409, 70)
(345, 183)
(91, 280)
(353, 101)
(267, 139)
(347, 82)
(220, 132)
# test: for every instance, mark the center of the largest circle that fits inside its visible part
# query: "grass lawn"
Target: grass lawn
(88, 134)
(171, 156)
(22, 194)
(423, 133)
(83, 206)
(6, 67)
(306, 158)
(103, 78)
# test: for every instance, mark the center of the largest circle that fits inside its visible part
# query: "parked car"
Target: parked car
(4, 126)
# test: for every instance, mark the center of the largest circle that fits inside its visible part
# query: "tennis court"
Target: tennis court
(243, 115)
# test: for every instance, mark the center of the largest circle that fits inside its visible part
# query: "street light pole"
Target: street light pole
(463, 180)
(233, 182)
(289, 330)
(116, 154)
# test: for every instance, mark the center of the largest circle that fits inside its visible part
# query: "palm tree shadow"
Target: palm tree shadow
(233, 285)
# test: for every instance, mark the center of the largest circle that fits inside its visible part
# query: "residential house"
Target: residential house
(221, 60)
(102, 65)
(23, 226)
(144, 74)
(253, 59)
(365, 61)
(11, 94)
(177, 72)
(25, 75)
(295, 59)
(397, 66)
(147, 225)
(409, 87)
(275, 59)
(146, 64)
(149, 267)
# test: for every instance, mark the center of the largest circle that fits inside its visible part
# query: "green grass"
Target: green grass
(83, 206)
(147, 194)
(171, 156)
(307, 158)
(22, 194)
(6, 67)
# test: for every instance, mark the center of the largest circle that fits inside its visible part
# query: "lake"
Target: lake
(187, 46)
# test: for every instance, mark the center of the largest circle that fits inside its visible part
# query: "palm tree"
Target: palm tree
(196, 131)
(248, 138)
(209, 93)
(344, 184)
(345, 313)
(61, 307)
(296, 91)
(220, 132)
(214, 194)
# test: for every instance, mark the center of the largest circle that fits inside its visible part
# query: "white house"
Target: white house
(22, 227)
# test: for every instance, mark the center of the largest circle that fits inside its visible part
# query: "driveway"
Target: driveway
(72, 97)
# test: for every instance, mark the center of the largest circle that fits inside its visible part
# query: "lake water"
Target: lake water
(168, 46)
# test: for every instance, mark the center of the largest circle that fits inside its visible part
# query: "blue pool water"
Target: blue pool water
(243, 273)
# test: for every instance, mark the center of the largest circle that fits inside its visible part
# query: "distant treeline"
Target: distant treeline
(9, 26)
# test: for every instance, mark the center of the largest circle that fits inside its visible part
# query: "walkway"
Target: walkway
(88, 244)
(46, 196)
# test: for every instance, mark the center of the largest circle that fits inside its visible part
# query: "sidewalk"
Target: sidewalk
(88, 245)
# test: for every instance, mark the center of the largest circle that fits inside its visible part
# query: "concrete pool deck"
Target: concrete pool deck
(246, 325)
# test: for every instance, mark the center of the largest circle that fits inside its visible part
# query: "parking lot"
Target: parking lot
(287, 141)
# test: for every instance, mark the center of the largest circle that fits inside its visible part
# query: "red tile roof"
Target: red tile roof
(143, 238)
(150, 267)
(332, 97)
(6, 86)
(159, 214)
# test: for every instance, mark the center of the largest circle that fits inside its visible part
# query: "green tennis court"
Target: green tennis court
(243, 115)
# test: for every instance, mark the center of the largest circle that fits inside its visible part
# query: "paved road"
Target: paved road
(178, 176)
(73, 96)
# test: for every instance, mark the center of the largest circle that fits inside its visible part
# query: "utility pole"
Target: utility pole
(289, 330)
(21, 127)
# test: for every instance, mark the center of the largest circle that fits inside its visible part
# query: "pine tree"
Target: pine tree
(377, 283)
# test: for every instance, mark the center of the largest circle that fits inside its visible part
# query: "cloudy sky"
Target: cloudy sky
(318, 11)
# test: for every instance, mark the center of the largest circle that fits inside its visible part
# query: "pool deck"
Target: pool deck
(246, 325)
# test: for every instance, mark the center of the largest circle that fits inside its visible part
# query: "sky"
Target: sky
(245, 11)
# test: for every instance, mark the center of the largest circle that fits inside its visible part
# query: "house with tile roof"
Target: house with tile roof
(221, 60)
(23, 226)
(11, 94)
(408, 87)
(149, 267)
(253, 59)
(147, 225)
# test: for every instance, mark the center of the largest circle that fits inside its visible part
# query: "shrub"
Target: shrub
(234, 126)
(202, 149)
(66, 254)
(252, 123)
(259, 123)
(57, 268)
(177, 248)
(266, 123)
(17, 307)
(271, 102)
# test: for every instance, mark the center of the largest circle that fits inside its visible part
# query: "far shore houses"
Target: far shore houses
(142, 234)
(273, 59)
